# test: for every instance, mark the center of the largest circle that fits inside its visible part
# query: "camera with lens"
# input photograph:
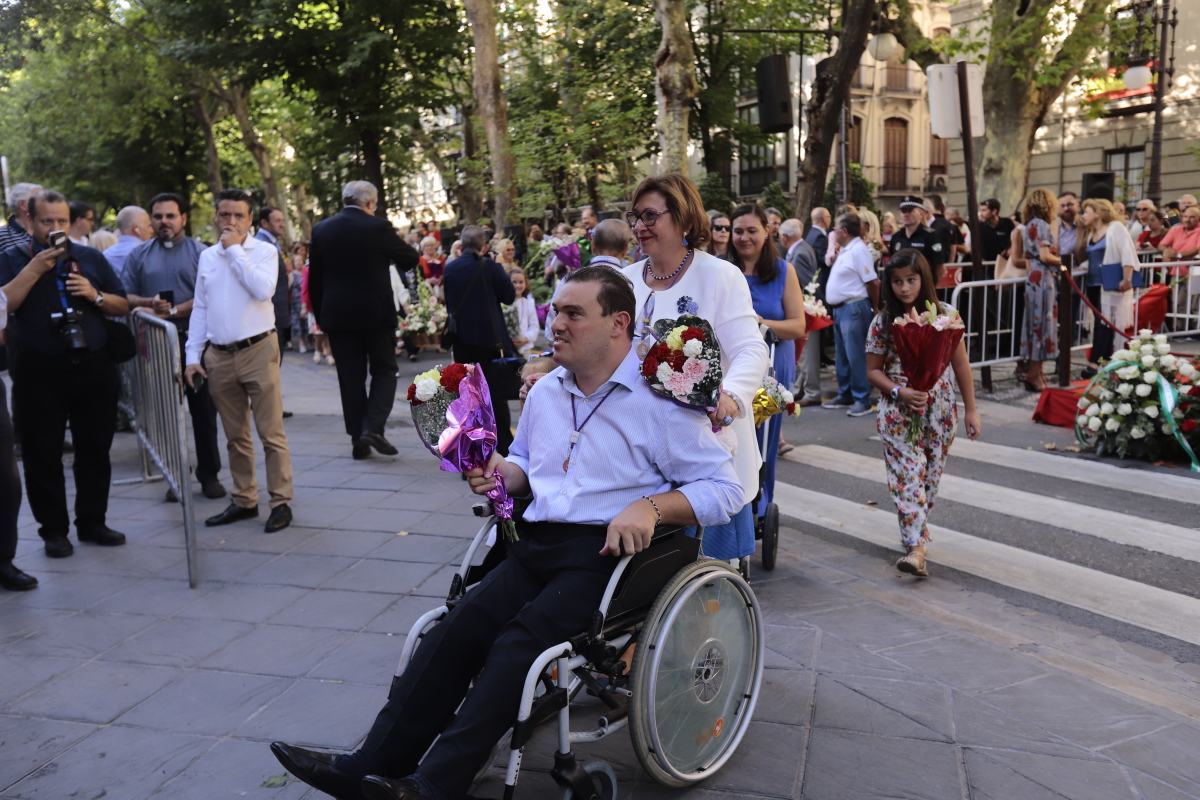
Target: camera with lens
(70, 327)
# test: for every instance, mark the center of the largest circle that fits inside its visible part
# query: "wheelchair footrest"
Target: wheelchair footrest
(544, 708)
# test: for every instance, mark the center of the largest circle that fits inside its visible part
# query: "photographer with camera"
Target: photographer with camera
(59, 294)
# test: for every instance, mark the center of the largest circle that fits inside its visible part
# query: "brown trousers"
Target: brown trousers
(243, 383)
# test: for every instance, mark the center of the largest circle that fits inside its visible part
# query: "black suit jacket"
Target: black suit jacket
(348, 280)
(476, 303)
(820, 245)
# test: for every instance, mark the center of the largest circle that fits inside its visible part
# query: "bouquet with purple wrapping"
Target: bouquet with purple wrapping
(453, 414)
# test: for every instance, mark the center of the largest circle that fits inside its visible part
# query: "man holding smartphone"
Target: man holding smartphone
(160, 275)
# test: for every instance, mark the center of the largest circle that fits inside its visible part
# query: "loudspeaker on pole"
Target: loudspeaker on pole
(774, 94)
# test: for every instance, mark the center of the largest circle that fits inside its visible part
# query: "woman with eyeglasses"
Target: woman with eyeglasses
(679, 277)
(719, 229)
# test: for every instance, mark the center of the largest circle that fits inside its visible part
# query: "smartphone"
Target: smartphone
(58, 239)
(168, 295)
(197, 382)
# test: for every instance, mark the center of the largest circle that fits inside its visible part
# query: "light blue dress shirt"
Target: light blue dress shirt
(638, 443)
(117, 254)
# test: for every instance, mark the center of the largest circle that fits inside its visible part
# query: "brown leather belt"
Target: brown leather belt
(242, 344)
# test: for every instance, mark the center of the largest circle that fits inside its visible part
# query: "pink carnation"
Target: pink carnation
(695, 368)
(680, 385)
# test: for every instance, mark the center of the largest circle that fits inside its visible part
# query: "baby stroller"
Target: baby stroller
(766, 525)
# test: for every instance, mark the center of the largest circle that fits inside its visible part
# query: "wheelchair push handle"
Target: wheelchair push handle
(483, 509)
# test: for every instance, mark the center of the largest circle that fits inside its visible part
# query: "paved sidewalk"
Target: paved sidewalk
(120, 682)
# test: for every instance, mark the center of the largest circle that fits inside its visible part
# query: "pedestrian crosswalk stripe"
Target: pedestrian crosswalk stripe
(1155, 484)
(1112, 596)
(1113, 526)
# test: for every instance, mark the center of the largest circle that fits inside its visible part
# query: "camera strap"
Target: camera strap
(59, 279)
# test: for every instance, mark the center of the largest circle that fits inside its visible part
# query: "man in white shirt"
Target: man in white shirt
(233, 316)
(852, 295)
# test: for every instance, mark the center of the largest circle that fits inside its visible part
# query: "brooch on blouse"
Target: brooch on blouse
(686, 305)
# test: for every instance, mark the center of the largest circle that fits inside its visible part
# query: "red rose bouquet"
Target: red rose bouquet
(453, 414)
(685, 364)
(925, 344)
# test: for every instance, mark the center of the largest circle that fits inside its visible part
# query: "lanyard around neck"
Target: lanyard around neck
(578, 427)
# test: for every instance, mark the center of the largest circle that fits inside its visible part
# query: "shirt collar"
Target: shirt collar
(267, 235)
(610, 261)
(628, 373)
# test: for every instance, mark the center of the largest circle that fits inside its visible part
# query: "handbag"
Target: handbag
(450, 331)
(121, 345)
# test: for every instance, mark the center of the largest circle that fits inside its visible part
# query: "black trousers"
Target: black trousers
(355, 351)
(1102, 335)
(471, 354)
(10, 484)
(545, 591)
(204, 426)
(49, 394)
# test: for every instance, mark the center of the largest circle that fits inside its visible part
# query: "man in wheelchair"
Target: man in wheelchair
(603, 460)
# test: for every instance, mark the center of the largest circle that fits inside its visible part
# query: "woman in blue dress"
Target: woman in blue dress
(779, 303)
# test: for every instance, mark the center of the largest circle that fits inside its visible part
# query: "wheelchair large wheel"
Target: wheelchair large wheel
(696, 674)
(770, 536)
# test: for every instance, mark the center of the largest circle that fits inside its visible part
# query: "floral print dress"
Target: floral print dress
(913, 471)
(1039, 331)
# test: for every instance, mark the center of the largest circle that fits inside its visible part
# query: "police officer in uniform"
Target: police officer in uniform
(914, 234)
(62, 373)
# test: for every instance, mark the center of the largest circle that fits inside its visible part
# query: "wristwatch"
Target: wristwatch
(174, 310)
(99, 301)
(895, 393)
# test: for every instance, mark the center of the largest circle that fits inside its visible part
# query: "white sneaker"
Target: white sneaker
(329, 360)
(316, 356)
(303, 349)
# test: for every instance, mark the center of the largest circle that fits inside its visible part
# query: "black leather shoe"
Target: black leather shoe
(280, 518)
(288, 415)
(170, 496)
(13, 579)
(318, 770)
(105, 537)
(360, 450)
(381, 445)
(212, 489)
(377, 787)
(232, 513)
(59, 547)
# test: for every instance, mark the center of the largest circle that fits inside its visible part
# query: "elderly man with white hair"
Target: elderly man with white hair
(16, 232)
(133, 224)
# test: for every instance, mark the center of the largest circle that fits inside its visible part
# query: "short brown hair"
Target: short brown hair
(616, 292)
(683, 204)
(1039, 203)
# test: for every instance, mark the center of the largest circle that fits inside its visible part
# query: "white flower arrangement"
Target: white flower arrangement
(1122, 413)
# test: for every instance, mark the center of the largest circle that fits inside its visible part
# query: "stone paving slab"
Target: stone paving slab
(121, 681)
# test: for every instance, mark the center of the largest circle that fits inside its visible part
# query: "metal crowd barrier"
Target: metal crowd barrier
(992, 310)
(159, 416)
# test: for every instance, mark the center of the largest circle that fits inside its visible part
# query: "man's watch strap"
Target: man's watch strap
(99, 301)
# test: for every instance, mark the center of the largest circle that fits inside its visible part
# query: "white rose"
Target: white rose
(1143, 390)
(1094, 424)
(1150, 411)
(1124, 409)
(1150, 376)
(1128, 373)
(1168, 361)
(1084, 402)
(426, 389)
(1186, 369)
(1166, 428)
(1160, 338)
(1162, 348)
(1137, 433)
(1123, 355)
(1081, 420)
(1106, 409)
(1147, 349)
(1145, 333)
(1105, 394)
(1093, 410)
(693, 348)
(664, 372)
(1113, 424)
(1148, 361)
(1125, 389)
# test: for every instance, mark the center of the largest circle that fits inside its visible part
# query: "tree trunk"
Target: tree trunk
(212, 161)
(676, 85)
(238, 100)
(493, 107)
(372, 154)
(830, 90)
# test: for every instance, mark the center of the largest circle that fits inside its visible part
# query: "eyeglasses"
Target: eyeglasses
(648, 217)
(722, 228)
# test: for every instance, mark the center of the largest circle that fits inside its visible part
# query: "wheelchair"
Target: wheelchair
(696, 672)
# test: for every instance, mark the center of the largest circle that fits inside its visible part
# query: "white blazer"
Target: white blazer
(717, 291)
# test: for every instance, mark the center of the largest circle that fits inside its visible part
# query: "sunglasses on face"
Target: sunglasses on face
(722, 228)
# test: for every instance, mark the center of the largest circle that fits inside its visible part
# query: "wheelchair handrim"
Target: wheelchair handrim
(746, 712)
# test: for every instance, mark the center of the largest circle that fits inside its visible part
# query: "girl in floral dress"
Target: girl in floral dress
(914, 470)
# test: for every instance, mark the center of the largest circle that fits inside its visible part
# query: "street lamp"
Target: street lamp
(1164, 17)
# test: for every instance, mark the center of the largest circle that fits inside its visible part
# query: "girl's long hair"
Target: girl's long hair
(766, 267)
(908, 258)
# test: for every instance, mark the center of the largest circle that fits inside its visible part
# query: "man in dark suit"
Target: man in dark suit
(818, 238)
(351, 294)
(475, 287)
(271, 224)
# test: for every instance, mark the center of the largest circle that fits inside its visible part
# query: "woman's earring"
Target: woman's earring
(685, 244)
